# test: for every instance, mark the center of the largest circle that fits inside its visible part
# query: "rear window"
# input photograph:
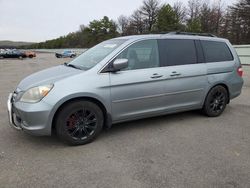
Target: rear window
(177, 52)
(216, 51)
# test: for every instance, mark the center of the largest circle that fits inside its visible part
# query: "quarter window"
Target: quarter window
(216, 51)
(141, 55)
(177, 52)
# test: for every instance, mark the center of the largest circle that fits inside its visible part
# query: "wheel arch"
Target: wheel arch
(219, 84)
(107, 116)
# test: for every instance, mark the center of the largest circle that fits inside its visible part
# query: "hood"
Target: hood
(47, 76)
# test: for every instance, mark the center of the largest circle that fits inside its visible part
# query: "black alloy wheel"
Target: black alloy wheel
(79, 122)
(216, 101)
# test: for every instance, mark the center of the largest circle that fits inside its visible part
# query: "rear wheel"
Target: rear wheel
(30, 56)
(79, 122)
(216, 101)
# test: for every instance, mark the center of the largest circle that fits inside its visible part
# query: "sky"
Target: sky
(40, 20)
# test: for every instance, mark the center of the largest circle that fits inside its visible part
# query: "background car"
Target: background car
(12, 54)
(66, 53)
(30, 54)
(2, 52)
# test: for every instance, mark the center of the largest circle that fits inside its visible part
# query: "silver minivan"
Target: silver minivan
(124, 79)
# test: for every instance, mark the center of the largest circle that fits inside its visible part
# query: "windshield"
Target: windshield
(94, 55)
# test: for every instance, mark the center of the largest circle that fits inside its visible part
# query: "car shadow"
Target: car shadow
(116, 129)
(152, 122)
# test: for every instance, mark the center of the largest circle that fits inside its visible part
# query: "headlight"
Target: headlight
(36, 94)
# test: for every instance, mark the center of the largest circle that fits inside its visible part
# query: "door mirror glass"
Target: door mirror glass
(120, 64)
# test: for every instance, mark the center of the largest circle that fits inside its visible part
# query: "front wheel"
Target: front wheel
(79, 122)
(216, 101)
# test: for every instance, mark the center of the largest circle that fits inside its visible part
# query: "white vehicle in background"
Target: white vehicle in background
(66, 53)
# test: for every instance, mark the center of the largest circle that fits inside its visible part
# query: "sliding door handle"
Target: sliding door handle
(174, 73)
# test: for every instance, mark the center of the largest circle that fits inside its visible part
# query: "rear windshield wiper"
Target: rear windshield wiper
(73, 66)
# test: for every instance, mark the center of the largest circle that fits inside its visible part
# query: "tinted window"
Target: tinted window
(216, 51)
(177, 52)
(141, 55)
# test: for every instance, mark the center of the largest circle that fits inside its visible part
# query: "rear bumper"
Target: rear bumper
(31, 118)
(236, 88)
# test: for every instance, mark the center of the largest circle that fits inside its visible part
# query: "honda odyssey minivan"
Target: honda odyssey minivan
(124, 79)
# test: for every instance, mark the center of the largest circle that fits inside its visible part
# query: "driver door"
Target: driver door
(138, 90)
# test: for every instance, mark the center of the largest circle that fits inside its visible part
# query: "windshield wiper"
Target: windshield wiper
(73, 66)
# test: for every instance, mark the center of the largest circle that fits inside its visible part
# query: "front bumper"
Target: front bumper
(31, 118)
(11, 115)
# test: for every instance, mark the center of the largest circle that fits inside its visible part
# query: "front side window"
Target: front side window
(177, 52)
(94, 55)
(216, 51)
(141, 55)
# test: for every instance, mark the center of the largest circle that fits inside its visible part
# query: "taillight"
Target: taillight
(240, 71)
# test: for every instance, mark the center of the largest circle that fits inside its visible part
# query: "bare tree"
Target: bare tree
(82, 27)
(217, 10)
(123, 23)
(193, 9)
(149, 10)
(137, 22)
(180, 11)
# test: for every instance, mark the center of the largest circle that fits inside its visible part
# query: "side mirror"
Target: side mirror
(119, 64)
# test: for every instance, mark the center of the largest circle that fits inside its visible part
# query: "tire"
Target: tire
(20, 57)
(30, 56)
(79, 122)
(1, 57)
(216, 101)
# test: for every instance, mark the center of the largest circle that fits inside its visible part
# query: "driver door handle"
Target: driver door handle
(156, 76)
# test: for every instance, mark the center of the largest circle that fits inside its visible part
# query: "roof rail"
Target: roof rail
(190, 33)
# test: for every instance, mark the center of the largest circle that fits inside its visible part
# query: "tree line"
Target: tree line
(232, 22)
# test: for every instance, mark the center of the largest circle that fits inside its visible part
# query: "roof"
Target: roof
(174, 35)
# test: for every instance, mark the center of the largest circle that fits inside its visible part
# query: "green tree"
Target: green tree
(100, 30)
(238, 22)
(167, 19)
(193, 21)
(194, 25)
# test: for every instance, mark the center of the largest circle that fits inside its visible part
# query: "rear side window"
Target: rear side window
(177, 52)
(216, 51)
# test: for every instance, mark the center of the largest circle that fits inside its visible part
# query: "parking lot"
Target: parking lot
(180, 150)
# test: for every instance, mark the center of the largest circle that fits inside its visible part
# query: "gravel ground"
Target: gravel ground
(180, 150)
